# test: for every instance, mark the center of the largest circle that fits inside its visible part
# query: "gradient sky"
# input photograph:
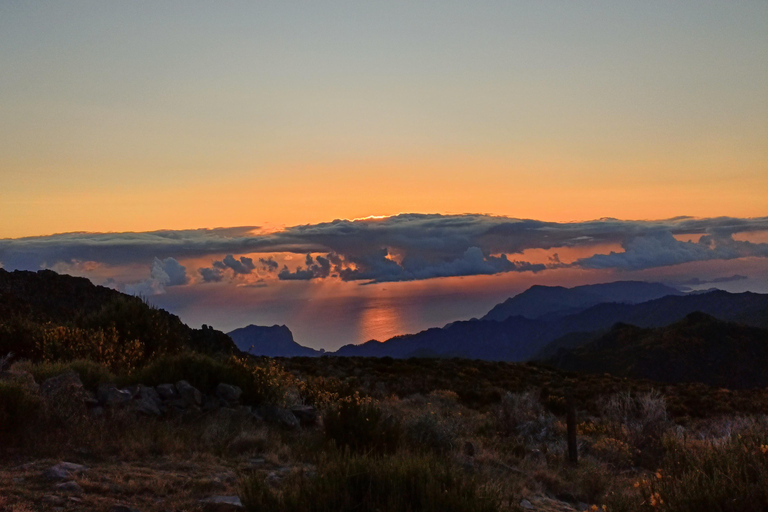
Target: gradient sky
(134, 117)
(118, 116)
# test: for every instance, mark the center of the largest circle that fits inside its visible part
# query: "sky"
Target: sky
(483, 146)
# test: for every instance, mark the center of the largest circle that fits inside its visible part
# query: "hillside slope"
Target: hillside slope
(274, 341)
(698, 348)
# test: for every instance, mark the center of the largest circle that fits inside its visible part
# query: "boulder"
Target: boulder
(189, 393)
(147, 407)
(283, 417)
(70, 487)
(230, 395)
(64, 471)
(167, 391)
(110, 396)
(67, 383)
(306, 414)
(122, 508)
(222, 504)
(22, 378)
(210, 403)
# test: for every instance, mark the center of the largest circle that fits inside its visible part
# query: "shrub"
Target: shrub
(359, 424)
(261, 384)
(427, 431)
(348, 482)
(19, 409)
(91, 373)
(641, 420)
(729, 476)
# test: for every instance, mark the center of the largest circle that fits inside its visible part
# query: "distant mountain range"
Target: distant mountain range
(542, 301)
(562, 322)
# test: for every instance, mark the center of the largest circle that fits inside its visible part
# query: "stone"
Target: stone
(64, 471)
(133, 389)
(210, 403)
(110, 396)
(527, 505)
(167, 391)
(189, 393)
(53, 500)
(71, 487)
(222, 504)
(122, 508)
(283, 417)
(149, 393)
(537, 456)
(22, 378)
(228, 394)
(68, 382)
(146, 407)
(306, 414)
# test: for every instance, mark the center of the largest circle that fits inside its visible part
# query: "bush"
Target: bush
(359, 424)
(729, 476)
(426, 431)
(348, 482)
(19, 410)
(91, 373)
(261, 384)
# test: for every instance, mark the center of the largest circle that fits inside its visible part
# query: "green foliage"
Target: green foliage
(363, 483)
(359, 424)
(19, 409)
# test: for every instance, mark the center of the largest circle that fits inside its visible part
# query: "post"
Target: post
(573, 452)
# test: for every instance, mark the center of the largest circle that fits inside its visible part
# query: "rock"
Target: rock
(110, 396)
(210, 403)
(97, 411)
(537, 456)
(71, 487)
(222, 504)
(245, 410)
(469, 449)
(582, 506)
(64, 471)
(306, 414)
(283, 417)
(189, 393)
(147, 407)
(149, 393)
(167, 391)
(23, 378)
(55, 501)
(527, 505)
(230, 395)
(68, 383)
(133, 389)
(122, 508)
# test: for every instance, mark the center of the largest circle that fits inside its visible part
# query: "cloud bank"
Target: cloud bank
(400, 248)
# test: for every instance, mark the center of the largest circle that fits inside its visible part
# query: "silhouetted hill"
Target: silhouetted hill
(275, 341)
(699, 348)
(539, 301)
(519, 339)
(65, 316)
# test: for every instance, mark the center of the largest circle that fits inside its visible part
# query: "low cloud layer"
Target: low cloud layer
(399, 248)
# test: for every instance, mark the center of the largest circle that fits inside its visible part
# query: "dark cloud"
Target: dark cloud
(242, 266)
(211, 275)
(317, 268)
(163, 273)
(268, 264)
(405, 247)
